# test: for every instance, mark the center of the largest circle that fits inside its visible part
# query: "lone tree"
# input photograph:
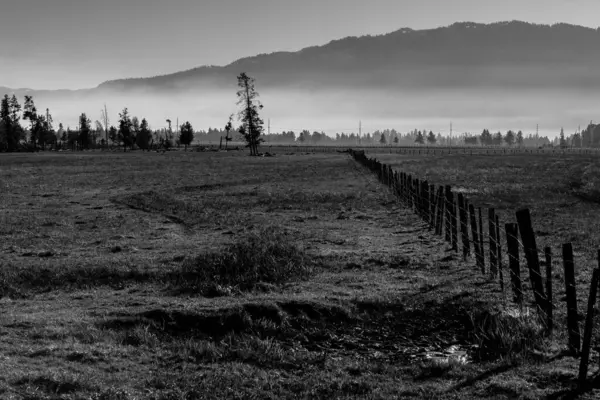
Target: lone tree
(252, 125)
(186, 134)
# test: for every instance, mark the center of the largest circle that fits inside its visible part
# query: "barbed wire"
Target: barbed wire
(405, 188)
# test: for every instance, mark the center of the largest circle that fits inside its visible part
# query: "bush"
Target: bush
(267, 256)
(507, 334)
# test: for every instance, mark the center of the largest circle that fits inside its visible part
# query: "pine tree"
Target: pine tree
(497, 139)
(520, 138)
(382, 139)
(30, 114)
(125, 129)
(486, 138)
(9, 118)
(186, 134)
(509, 138)
(431, 139)
(84, 131)
(563, 142)
(113, 134)
(142, 139)
(252, 124)
(419, 139)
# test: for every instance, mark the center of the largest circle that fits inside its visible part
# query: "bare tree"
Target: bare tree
(105, 121)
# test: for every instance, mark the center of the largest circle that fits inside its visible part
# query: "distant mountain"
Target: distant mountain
(508, 74)
(512, 54)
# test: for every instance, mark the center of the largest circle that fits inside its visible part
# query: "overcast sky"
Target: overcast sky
(50, 44)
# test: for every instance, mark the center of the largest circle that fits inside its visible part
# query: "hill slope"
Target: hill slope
(463, 54)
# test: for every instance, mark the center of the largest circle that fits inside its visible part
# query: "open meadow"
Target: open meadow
(210, 275)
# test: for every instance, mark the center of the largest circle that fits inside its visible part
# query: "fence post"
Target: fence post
(512, 245)
(481, 242)
(531, 255)
(448, 219)
(432, 204)
(419, 192)
(454, 222)
(439, 222)
(499, 253)
(426, 203)
(475, 236)
(572, 315)
(492, 241)
(409, 195)
(589, 324)
(550, 310)
(464, 226)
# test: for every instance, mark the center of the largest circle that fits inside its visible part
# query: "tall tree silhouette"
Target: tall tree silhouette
(30, 114)
(10, 111)
(252, 124)
(186, 134)
(125, 129)
(143, 137)
(84, 131)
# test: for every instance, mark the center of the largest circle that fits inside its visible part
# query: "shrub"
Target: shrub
(267, 256)
(507, 334)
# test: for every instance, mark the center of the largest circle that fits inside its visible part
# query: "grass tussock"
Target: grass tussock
(507, 334)
(268, 256)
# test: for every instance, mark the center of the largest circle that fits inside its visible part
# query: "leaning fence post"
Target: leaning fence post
(572, 315)
(512, 245)
(589, 324)
(531, 254)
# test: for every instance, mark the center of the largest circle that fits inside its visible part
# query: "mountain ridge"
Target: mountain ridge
(418, 53)
(402, 58)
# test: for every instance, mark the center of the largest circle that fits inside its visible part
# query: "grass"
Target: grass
(255, 260)
(217, 275)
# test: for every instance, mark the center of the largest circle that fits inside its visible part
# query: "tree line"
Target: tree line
(40, 133)
(130, 132)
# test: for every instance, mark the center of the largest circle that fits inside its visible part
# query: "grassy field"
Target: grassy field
(125, 276)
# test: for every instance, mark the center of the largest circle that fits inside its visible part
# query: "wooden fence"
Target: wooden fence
(410, 150)
(451, 215)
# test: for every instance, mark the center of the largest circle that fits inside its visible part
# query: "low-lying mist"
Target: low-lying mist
(332, 111)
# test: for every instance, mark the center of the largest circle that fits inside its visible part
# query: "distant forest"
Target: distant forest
(131, 132)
